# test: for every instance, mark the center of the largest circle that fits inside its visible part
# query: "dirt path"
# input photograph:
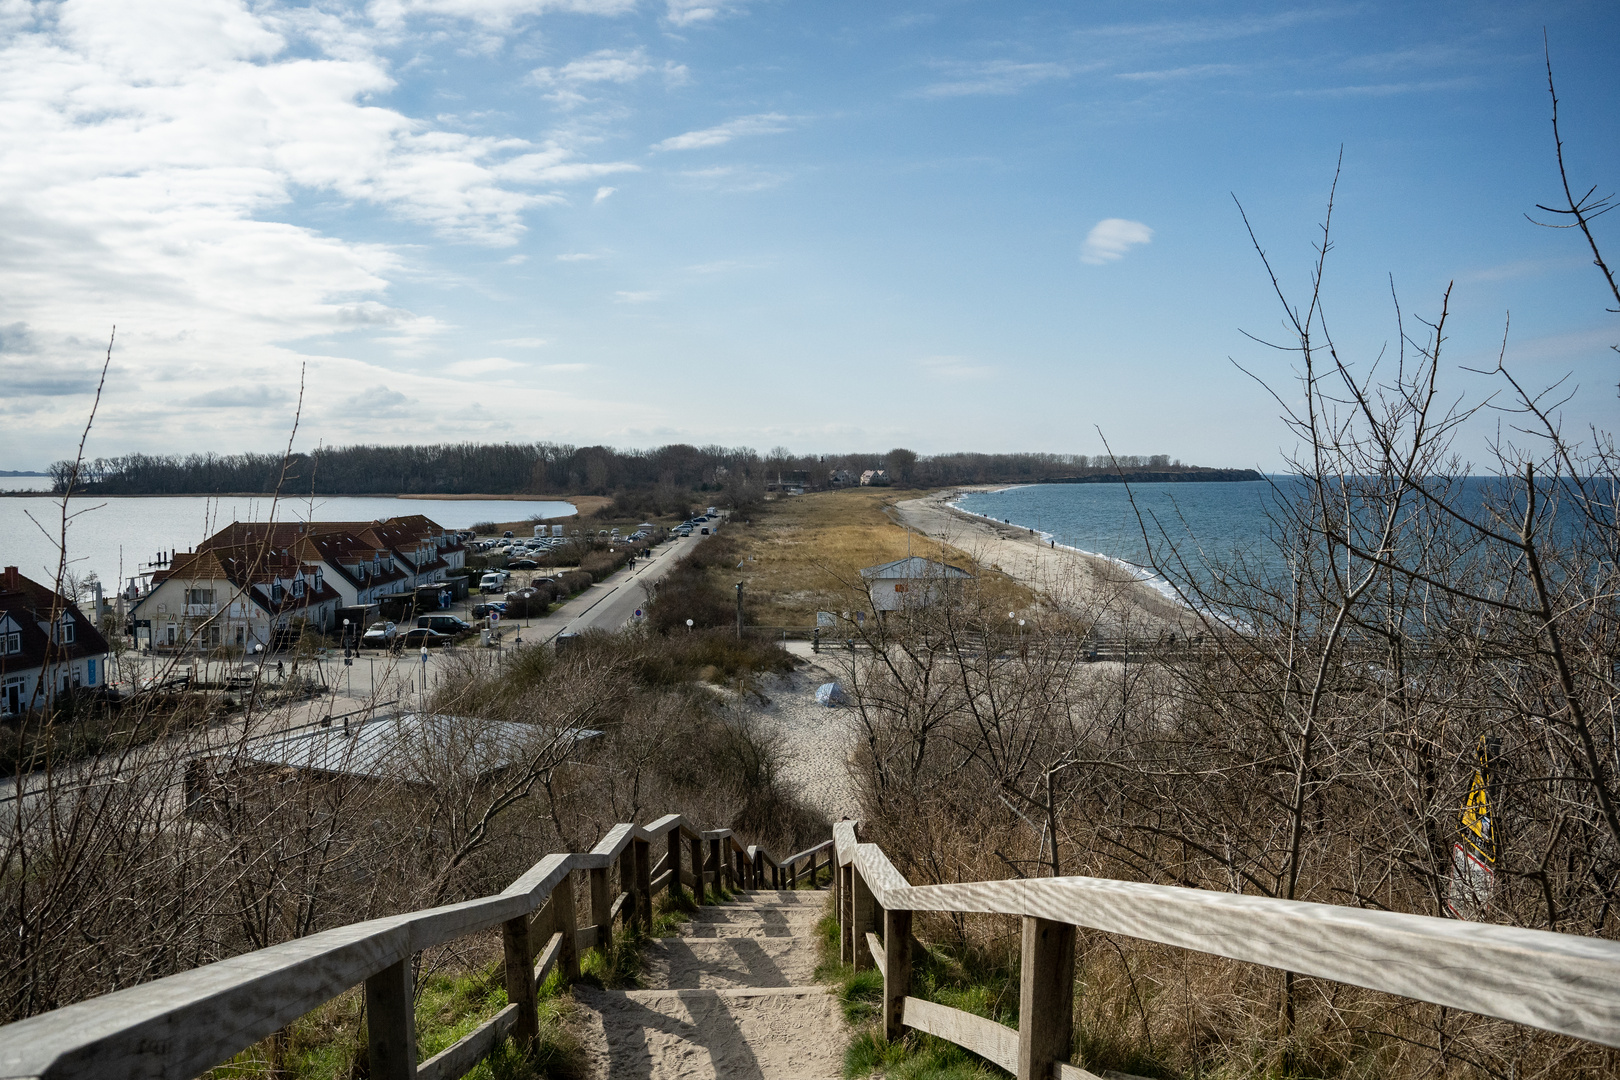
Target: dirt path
(732, 996)
(1067, 578)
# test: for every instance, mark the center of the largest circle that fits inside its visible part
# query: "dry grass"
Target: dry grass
(804, 554)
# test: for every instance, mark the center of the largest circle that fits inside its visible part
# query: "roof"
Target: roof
(26, 604)
(412, 748)
(244, 568)
(913, 568)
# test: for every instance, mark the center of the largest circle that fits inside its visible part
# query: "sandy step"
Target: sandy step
(686, 1034)
(727, 961)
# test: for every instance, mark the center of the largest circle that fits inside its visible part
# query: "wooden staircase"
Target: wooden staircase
(731, 996)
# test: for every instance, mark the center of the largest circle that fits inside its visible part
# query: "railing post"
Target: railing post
(643, 888)
(601, 907)
(719, 866)
(675, 890)
(391, 1023)
(863, 918)
(759, 869)
(627, 883)
(1045, 997)
(896, 971)
(793, 872)
(565, 920)
(697, 870)
(520, 991)
(846, 914)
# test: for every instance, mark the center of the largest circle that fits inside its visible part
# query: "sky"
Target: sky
(827, 226)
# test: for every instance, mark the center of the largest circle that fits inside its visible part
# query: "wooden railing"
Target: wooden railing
(1556, 982)
(177, 1027)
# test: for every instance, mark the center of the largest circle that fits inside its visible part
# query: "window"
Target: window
(10, 643)
(64, 630)
(199, 596)
(298, 587)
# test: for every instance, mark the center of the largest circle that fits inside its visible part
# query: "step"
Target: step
(728, 962)
(682, 1034)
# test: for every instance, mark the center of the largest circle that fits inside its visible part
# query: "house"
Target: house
(910, 583)
(239, 597)
(840, 478)
(47, 646)
(364, 560)
(875, 478)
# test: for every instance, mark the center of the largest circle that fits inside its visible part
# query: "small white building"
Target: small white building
(912, 582)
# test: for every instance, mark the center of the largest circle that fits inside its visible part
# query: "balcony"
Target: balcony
(202, 609)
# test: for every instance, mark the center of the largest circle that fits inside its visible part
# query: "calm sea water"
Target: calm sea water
(114, 536)
(1099, 518)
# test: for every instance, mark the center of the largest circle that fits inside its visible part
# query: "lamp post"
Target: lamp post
(688, 626)
(421, 697)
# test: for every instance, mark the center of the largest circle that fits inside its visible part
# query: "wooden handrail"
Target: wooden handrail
(182, 1025)
(1563, 983)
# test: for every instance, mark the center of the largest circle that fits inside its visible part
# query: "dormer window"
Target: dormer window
(298, 587)
(64, 630)
(10, 638)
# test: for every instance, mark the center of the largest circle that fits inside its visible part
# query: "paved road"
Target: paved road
(611, 604)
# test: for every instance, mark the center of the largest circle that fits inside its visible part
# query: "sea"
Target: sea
(1205, 523)
(115, 537)
(1217, 519)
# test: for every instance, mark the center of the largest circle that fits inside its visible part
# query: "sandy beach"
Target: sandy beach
(1067, 578)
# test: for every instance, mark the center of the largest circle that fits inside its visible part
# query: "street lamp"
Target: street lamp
(421, 698)
(688, 626)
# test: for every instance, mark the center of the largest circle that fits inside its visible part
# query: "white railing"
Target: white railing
(1563, 983)
(180, 1026)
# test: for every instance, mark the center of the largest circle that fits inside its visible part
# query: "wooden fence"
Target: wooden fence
(1556, 982)
(177, 1027)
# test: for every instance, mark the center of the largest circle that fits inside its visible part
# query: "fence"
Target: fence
(1556, 982)
(177, 1027)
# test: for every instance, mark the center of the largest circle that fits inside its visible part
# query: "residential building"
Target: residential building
(240, 597)
(48, 647)
(875, 478)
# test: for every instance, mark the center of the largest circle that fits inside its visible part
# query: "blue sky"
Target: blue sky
(830, 226)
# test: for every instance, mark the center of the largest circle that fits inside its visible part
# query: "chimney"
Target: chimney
(11, 581)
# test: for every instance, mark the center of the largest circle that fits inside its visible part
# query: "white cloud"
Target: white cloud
(720, 134)
(495, 13)
(954, 368)
(144, 164)
(577, 256)
(688, 12)
(489, 365)
(563, 369)
(994, 77)
(602, 193)
(524, 342)
(1111, 238)
(733, 179)
(625, 297)
(1194, 71)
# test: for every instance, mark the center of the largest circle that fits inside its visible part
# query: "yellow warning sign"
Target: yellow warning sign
(1476, 809)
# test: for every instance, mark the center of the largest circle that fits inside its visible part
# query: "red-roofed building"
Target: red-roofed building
(47, 646)
(233, 596)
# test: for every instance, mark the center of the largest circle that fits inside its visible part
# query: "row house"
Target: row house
(364, 559)
(47, 646)
(242, 597)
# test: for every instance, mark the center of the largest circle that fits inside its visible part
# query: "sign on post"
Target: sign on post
(1473, 858)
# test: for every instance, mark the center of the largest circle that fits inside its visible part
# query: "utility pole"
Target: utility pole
(739, 610)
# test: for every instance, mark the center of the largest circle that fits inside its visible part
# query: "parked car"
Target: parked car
(523, 564)
(481, 611)
(507, 534)
(494, 581)
(418, 636)
(379, 635)
(444, 624)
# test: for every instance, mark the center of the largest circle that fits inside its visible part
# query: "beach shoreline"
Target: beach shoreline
(1073, 580)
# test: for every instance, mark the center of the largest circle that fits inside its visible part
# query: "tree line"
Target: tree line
(542, 468)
